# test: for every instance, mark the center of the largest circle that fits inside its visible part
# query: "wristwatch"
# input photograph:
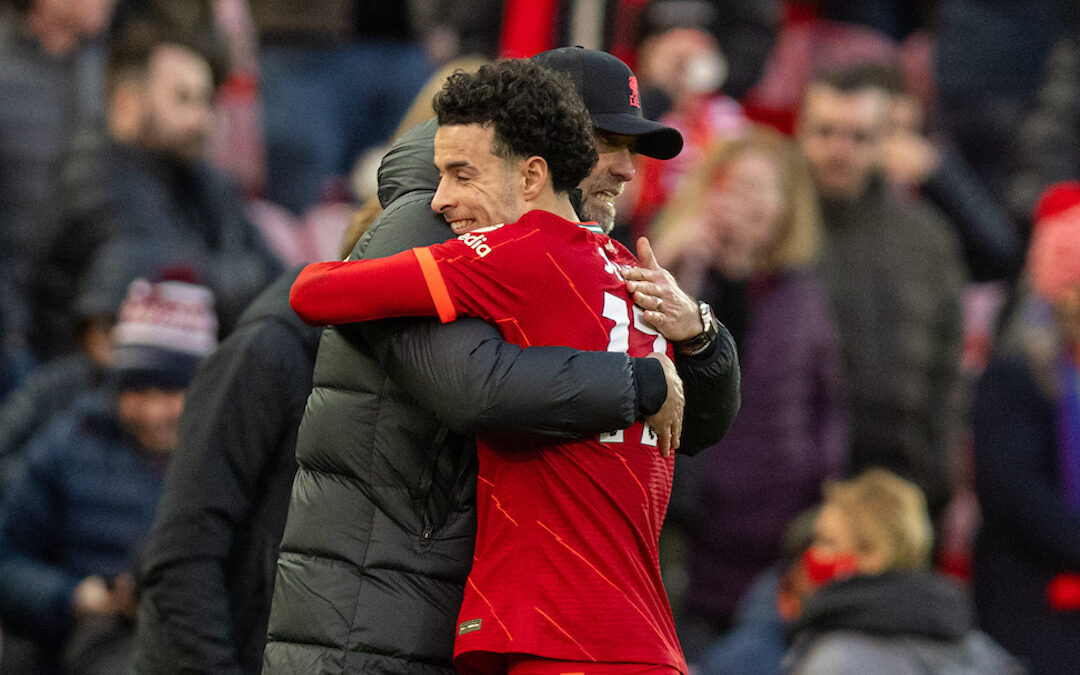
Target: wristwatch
(703, 341)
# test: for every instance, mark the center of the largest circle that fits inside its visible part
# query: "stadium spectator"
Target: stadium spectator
(1026, 566)
(875, 607)
(143, 182)
(52, 387)
(85, 497)
(893, 273)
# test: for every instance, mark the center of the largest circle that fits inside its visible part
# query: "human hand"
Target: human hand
(666, 307)
(667, 421)
(122, 594)
(909, 159)
(93, 595)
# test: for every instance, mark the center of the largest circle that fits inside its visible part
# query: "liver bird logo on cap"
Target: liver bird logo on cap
(635, 100)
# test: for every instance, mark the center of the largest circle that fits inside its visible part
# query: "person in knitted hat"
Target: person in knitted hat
(52, 387)
(87, 492)
(1026, 564)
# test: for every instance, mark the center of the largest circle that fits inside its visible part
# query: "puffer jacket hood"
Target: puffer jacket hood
(409, 166)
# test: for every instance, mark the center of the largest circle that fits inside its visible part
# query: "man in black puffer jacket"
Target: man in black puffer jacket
(380, 532)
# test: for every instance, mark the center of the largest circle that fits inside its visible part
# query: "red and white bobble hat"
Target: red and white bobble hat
(162, 332)
(1053, 260)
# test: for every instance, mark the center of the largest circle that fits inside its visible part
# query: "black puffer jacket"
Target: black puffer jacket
(380, 532)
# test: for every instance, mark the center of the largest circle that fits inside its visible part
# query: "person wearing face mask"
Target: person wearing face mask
(874, 604)
(686, 66)
(742, 235)
(1026, 422)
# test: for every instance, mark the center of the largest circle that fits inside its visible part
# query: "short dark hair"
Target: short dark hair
(533, 110)
(131, 50)
(861, 76)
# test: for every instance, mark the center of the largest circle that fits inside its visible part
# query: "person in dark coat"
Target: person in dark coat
(205, 573)
(86, 494)
(143, 183)
(383, 514)
(51, 388)
(1026, 423)
(893, 272)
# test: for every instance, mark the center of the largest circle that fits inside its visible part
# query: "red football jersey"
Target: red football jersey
(566, 562)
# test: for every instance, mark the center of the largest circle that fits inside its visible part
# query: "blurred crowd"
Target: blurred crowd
(880, 200)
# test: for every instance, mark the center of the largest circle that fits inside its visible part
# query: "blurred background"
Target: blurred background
(856, 198)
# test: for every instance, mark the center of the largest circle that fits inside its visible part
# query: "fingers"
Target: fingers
(648, 301)
(654, 319)
(663, 442)
(644, 289)
(640, 274)
(645, 254)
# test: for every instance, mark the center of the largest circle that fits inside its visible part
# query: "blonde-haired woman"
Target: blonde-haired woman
(742, 235)
(874, 605)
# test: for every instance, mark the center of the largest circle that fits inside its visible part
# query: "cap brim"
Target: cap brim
(653, 139)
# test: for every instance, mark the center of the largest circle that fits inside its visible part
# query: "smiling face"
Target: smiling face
(477, 189)
(605, 183)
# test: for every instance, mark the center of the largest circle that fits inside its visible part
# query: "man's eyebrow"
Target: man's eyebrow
(615, 140)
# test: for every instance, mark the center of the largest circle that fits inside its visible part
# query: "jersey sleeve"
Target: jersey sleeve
(479, 274)
(361, 290)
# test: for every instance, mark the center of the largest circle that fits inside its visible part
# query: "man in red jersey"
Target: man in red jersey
(565, 575)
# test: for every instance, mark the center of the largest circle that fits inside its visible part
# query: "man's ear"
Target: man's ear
(534, 176)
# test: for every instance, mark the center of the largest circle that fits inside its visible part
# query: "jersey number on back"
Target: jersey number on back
(615, 308)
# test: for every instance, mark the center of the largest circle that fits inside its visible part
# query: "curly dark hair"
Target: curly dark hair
(534, 111)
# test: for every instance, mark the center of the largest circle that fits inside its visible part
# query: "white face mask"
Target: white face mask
(705, 72)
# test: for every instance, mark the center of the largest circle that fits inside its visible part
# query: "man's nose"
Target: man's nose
(622, 167)
(441, 200)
